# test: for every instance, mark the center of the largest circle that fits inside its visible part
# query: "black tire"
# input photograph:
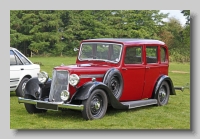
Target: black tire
(113, 79)
(31, 108)
(95, 106)
(163, 93)
(20, 89)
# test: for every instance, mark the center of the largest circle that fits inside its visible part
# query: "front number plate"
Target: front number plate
(40, 105)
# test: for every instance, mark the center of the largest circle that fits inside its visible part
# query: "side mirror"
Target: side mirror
(76, 49)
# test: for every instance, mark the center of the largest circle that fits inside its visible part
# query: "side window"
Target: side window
(163, 55)
(14, 60)
(151, 54)
(133, 55)
(25, 61)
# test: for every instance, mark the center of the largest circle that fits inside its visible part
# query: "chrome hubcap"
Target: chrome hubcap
(162, 94)
(96, 105)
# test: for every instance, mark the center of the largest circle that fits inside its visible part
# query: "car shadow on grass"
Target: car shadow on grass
(76, 116)
(12, 94)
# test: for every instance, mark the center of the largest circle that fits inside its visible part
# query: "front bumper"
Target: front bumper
(50, 105)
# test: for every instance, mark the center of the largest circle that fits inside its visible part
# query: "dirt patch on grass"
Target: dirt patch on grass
(175, 71)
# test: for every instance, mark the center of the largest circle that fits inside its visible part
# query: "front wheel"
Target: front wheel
(163, 93)
(31, 108)
(95, 106)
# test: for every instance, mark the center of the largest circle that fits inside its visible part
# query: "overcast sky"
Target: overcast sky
(175, 13)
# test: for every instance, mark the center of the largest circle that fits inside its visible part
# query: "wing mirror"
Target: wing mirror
(76, 49)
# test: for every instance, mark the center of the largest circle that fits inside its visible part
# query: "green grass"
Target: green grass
(48, 63)
(174, 115)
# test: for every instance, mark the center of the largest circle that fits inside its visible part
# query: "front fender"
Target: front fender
(84, 92)
(36, 89)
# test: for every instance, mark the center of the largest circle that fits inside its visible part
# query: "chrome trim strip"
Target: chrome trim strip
(59, 104)
(14, 79)
(91, 76)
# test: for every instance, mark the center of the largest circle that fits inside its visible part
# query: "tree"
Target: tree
(186, 13)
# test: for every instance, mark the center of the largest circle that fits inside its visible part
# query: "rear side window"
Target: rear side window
(14, 60)
(133, 55)
(25, 61)
(151, 54)
(163, 57)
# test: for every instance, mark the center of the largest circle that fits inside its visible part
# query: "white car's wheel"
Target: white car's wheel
(21, 88)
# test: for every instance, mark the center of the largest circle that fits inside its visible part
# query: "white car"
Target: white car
(21, 70)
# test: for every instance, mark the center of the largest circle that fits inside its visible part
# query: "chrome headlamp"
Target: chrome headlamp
(74, 79)
(43, 77)
(64, 95)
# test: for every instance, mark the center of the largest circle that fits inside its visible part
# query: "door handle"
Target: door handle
(124, 68)
(22, 68)
(147, 67)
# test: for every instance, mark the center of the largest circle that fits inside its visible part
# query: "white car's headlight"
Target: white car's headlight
(43, 77)
(74, 79)
(64, 95)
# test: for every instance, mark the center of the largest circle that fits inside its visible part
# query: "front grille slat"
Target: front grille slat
(59, 83)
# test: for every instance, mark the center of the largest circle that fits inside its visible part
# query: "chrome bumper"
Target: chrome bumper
(50, 105)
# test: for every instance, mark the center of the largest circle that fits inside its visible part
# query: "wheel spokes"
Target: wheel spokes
(114, 86)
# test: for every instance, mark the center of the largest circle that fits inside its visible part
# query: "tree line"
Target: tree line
(57, 32)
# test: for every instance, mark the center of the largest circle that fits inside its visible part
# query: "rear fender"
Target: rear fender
(169, 81)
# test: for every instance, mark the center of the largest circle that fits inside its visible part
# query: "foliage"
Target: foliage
(186, 13)
(57, 32)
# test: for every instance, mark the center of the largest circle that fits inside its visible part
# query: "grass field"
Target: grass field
(175, 115)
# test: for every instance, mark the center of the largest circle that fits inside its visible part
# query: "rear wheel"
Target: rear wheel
(163, 93)
(95, 106)
(31, 108)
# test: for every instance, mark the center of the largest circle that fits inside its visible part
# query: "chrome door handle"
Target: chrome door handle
(124, 68)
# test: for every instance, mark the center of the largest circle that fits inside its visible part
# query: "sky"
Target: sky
(175, 13)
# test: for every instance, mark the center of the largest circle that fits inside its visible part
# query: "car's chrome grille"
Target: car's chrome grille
(59, 83)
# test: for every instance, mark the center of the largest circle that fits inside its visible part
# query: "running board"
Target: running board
(139, 103)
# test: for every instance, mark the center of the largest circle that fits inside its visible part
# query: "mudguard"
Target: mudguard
(168, 79)
(84, 92)
(36, 89)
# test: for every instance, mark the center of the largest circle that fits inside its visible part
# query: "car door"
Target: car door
(20, 66)
(16, 69)
(152, 69)
(133, 71)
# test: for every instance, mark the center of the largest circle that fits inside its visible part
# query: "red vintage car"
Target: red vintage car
(122, 73)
